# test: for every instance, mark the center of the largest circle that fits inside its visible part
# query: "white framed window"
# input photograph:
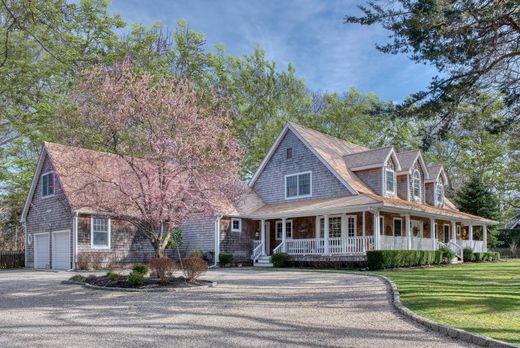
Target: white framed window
(47, 180)
(439, 194)
(351, 225)
(390, 180)
(416, 185)
(100, 233)
(288, 229)
(398, 227)
(236, 225)
(298, 185)
(382, 225)
(335, 227)
(416, 228)
(459, 231)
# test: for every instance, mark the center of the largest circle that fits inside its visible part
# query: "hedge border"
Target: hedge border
(449, 331)
(107, 288)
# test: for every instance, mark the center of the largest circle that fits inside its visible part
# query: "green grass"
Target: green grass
(479, 297)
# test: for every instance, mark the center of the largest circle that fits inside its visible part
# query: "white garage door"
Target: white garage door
(41, 250)
(60, 250)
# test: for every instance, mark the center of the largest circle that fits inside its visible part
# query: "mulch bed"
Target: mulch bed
(149, 283)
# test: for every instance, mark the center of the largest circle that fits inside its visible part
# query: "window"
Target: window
(417, 228)
(298, 185)
(398, 225)
(236, 225)
(439, 194)
(390, 181)
(289, 153)
(459, 231)
(48, 184)
(100, 233)
(416, 187)
(335, 227)
(288, 229)
(381, 225)
(351, 226)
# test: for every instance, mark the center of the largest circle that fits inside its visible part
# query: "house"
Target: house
(314, 197)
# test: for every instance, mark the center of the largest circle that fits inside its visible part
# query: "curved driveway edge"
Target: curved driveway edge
(446, 330)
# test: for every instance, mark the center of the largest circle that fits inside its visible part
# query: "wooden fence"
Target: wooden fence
(12, 259)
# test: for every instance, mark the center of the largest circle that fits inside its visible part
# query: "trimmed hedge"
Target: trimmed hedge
(225, 258)
(280, 259)
(382, 259)
(486, 256)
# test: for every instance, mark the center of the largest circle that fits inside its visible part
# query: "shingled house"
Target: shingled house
(314, 197)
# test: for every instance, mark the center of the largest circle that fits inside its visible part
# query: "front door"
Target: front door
(446, 233)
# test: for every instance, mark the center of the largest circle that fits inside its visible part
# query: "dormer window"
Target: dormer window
(439, 194)
(390, 181)
(416, 185)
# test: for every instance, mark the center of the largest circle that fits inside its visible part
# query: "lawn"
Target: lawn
(479, 297)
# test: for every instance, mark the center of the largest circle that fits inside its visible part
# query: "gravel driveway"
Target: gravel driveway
(248, 308)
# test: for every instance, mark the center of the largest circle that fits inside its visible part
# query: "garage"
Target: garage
(61, 250)
(41, 250)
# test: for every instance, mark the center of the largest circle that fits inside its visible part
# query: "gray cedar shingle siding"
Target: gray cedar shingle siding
(270, 185)
(372, 178)
(429, 193)
(198, 233)
(402, 186)
(46, 214)
(240, 244)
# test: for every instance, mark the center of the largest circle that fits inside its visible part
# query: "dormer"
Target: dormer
(435, 186)
(377, 169)
(412, 177)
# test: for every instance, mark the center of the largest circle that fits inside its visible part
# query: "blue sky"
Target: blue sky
(310, 34)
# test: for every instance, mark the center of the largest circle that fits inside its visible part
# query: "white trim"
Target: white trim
(393, 226)
(35, 249)
(444, 232)
(100, 247)
(34, 183)
(276, 229)
(75, 226)
(239, 225)
(217, 240)
(394, 192)
(381, 219)
(275, 146)
(347, 217)
(53, 184)
(416, 198)
(298, 185)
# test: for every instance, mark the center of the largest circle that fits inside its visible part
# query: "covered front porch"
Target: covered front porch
(353, 233)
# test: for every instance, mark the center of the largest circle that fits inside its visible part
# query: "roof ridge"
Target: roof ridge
(325, 134)
(376, 149)
(408, 151)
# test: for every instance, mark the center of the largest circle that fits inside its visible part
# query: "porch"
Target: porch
(354, 233)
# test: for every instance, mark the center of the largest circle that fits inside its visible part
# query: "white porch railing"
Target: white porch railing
(394, 243)
(257, 251)
(476, 245)
(337, 246)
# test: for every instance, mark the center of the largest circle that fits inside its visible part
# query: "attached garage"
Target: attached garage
(42, 250)
(61, 250)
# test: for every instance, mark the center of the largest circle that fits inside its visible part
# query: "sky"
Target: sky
(310, 34)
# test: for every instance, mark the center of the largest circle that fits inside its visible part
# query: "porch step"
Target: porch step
(263, 261)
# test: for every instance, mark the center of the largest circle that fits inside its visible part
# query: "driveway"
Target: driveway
(248, 308)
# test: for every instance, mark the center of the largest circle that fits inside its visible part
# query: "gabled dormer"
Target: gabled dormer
(377, 169)
(435, 186)
(412, 177)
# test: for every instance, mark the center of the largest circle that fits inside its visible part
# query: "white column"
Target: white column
(433, 232)
(408, 232)
(470, 232)
(262, 236)
(317, 227)
(326, 234)
(484, 230)
(284, 233)
(377, 235)
(454, 232)
(364, 232)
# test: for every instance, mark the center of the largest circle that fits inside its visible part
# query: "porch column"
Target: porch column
(484, 230)
(284, 233)
(326, 234)
(364, 232)
(377, 233)
(408, 232)
(470, 232)
(454, 232)
(262, 236)
(433, 232)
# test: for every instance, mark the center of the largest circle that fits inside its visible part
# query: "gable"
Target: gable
(270, 182)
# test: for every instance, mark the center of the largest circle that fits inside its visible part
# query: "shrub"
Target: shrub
(196, 253)
(381, 259)
(225, 258)
(280, 259)
(112, 276)
(136, 278)
(447, 254)
(467, 255)
(163, 267)
(140, 268)
(193, 267)
(77, 278)
(486, 256)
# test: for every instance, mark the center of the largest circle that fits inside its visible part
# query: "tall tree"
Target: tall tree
(473, 44)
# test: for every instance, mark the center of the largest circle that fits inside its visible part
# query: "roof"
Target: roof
(407, 160)
(434, 172)
(369, 158)
(106, 169)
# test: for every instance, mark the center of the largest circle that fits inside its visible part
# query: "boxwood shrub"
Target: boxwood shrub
(467, 255)
(280, 259)
(486, 256)
(225, 258)
(381, 259)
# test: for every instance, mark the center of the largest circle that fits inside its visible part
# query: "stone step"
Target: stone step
(263, 264)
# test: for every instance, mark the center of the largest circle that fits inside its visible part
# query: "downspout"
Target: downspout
(75, 227)
(24, 225)
(217, 240)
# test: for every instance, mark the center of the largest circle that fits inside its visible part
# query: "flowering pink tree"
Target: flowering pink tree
(170, 150)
